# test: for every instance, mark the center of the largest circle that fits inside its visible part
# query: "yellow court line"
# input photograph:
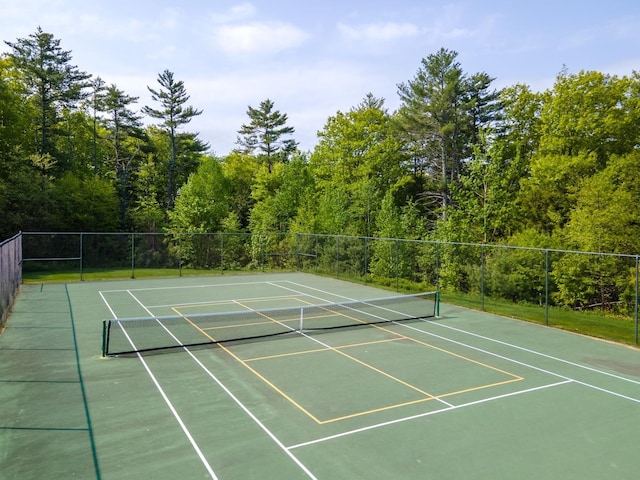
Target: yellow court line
(375, 369)
(304, 352)
(481, 387)
(377, 410)
(398, 336)
(234, 302)
(252, 324)
(255, 372)
(491, 367)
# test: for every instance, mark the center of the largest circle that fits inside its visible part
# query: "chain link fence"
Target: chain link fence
(554, 287)
(10, 274)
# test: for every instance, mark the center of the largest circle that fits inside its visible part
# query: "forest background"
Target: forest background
(458, 161)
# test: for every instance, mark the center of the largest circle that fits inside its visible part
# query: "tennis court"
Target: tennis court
(328, 380)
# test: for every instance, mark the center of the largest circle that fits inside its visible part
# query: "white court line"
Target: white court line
(421, 415)
(550, 357)
(234, 398)
(566, 380)
(179, 287)
(167, 401)
(404, 325)
(223, 302)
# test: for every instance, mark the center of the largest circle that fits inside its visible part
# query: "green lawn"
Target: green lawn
(595, 324)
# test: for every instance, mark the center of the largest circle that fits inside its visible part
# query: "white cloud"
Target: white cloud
(308, 95)
(379, 31)
(239, 12)
(258, 38)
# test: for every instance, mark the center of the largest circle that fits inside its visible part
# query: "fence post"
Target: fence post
(397, 264)
(133, 255)
(636, 313)
(316, 235)
(179, 255)
(81, 262)
(337, 256)
(482, 276)
(366, 260)
(546, 287)
(437, 266)
(221, 253)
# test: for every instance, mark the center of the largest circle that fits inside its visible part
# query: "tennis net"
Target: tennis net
(144, 334)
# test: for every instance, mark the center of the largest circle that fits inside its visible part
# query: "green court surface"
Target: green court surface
(465, 395)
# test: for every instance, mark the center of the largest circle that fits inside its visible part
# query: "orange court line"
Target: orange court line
(428, 396)
(255, 372)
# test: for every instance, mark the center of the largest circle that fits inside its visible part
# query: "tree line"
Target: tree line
(459, 160)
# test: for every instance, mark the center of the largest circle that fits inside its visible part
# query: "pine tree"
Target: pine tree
(53, 83)
(265, 133)
(440, 118)
(122, 124)
(173, 113)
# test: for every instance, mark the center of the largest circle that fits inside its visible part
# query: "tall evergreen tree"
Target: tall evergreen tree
(173, 113)
(267, 132)
(54, 84)
(95, 104)
(441, 114)
(123, 124)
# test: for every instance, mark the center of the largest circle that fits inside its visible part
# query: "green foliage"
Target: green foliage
(85, 204)
(457, 162)
(356, 162)
(267, 134)
(53, 84)
(442, 112)
(590, 112)
(173, 113)
(601, 220)
(28, 204)
(203, 203)
(278, 194)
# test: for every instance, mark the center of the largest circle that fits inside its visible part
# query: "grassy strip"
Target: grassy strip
(595, 324)
(116, 274)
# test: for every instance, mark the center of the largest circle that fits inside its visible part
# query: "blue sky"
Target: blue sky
(316, 58)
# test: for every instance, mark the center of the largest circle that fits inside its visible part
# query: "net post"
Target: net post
(438, 303)
(104, 338)
(301, 319)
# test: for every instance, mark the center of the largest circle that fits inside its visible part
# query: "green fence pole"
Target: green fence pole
(81, 257)
(546, 287)
(133, 255)
(298, 251)
(179, 255)
(397, 265)
(366, 260)
(482, 276)
(637, 299)
(221, 253)
(438, 266)
(337, 257)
